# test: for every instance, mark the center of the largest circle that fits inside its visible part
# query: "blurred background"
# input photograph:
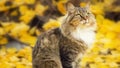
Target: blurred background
(22, 21)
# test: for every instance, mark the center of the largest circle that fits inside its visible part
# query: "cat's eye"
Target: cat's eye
(78, 15)
(88, 13)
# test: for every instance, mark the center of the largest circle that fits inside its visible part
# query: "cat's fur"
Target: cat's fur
(64, 47)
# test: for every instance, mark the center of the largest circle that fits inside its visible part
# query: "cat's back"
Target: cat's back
(46, 51)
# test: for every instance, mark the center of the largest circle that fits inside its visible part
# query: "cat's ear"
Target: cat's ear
(88, 5)
(70, 8)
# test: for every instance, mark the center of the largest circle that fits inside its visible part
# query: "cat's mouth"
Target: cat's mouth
(84, 21)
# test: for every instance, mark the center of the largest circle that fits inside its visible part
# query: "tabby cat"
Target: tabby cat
(64, 47)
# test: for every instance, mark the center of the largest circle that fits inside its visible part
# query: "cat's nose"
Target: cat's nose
(86, 17)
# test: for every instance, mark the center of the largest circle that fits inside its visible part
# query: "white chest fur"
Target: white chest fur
(87, 35)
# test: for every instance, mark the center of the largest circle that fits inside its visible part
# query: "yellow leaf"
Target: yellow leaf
(19, 30)
(102, 65)
(20, 66)
(93, 66)
(30, 1)
(111, 35)
(61, 7)
(23, 9)
(2, 6)
(32, 30)
(116, 27)
(37, 32)
(14, 13)
(14, 59)
(26, 38)
(11, 50)
(19, 2)
(51, 24)
(27, 17)
(40, 9)
(8, 26)
(3, 40)
(2, 32)
(97, 9)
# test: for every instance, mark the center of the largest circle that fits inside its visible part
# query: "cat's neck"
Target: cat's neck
(87, 35)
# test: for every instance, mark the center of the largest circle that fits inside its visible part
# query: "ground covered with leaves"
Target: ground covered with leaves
(21, 21)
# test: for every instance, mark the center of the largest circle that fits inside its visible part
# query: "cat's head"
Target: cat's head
(79, 17)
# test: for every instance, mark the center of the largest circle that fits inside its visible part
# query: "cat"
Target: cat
(64, 47)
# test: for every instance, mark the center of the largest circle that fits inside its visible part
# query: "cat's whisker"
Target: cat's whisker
(87, 21)
(83, 22)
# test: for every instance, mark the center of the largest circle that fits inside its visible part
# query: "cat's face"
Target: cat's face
(80, 17)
